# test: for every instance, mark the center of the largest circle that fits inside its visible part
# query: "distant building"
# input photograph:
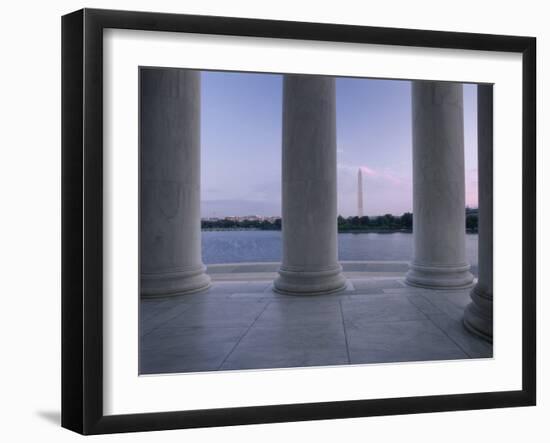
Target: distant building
(241, 218)
(250, 218)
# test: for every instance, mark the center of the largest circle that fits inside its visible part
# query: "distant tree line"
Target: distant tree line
(387, 222)
(383, 223)
(224, 223)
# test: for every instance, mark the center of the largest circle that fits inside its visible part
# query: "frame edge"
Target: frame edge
(529, 220)
(72, 221)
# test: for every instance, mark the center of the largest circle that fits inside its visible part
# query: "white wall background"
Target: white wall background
(30, 218)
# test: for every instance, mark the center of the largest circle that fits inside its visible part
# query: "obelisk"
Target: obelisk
(360, 193)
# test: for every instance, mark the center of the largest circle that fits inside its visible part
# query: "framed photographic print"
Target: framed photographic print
(269, 221)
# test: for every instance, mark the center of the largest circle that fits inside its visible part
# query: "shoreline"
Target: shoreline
(348, 231)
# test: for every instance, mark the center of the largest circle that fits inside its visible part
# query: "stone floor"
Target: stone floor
(240, 323)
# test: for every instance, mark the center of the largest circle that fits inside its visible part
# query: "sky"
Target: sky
(241, 124)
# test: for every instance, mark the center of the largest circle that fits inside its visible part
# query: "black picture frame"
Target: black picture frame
(82, 219)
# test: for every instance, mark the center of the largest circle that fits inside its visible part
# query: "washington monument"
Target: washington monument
(360, 193)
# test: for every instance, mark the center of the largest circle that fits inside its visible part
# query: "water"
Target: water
(265, 246)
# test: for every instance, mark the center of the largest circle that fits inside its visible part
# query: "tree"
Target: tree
(471, 222)
(364, 221)
(387, 220)
(407, 220)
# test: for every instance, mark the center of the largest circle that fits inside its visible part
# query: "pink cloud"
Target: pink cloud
(368, 172)
(383, 175)
(471, 188)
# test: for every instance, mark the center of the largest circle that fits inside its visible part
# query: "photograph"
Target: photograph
(297, 220)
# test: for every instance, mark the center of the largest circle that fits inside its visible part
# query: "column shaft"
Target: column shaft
(478, 316)
(170, 225)
(309, 203)
(439, 251)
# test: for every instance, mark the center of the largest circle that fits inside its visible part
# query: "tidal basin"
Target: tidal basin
(265, 246)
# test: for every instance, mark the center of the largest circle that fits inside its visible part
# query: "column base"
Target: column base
(174, 283)
(439, 277)
(478, 315)
(295, 282)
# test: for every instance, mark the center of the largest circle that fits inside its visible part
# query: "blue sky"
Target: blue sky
(241, 144)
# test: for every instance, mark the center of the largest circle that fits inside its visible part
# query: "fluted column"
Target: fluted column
(439, 251)
(309, 206)
(478, 316)
(170, 225)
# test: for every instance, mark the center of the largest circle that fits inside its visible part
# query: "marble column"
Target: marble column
(309, 212)
(170, 225)
(439, 246)
(478, 316)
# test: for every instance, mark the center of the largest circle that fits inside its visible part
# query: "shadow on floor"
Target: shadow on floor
(53, 417)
